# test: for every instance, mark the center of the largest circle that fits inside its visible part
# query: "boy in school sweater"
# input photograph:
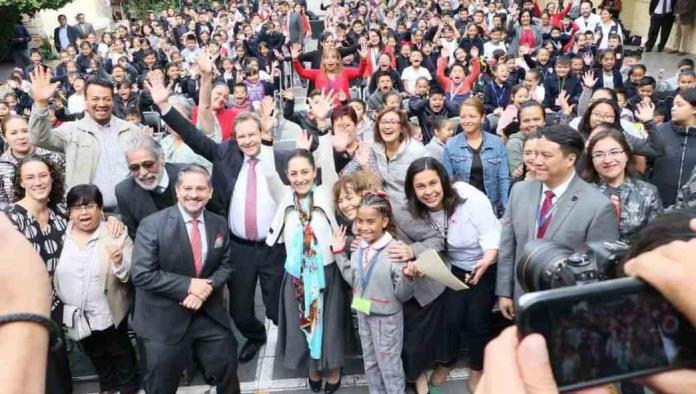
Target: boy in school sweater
(563, 80)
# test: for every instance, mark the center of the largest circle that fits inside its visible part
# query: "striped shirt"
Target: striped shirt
(112, 167)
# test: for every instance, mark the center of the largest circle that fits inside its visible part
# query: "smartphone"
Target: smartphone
(607, 331)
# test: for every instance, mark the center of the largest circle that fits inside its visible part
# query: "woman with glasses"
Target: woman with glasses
(391, 154)
(608, 165)
(91, 280)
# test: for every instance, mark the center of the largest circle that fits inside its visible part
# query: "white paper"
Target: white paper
(431, 265)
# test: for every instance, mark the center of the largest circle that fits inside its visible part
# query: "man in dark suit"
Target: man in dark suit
(661, 21)
(557, 206)
(150, 186)
(181, 261)
(247, 190)
(83, 28)
(64, 35)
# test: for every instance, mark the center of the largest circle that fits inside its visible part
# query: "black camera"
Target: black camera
(549, 265)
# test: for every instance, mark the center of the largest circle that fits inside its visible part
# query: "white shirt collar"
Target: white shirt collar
(560, 189)
(188, 218)
(379, 244)
(163, 182)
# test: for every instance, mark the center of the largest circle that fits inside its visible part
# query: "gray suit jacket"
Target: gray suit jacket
(84, 30)
(583, 214)
(162, 271)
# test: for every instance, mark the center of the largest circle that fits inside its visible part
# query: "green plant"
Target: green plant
(140, 8)
(11, 11)
(46, 49)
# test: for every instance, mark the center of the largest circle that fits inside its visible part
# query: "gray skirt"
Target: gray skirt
(292, 343)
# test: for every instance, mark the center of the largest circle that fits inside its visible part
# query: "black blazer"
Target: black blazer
(73, 35)
(162, 269)
(226, 157)
(136, 203)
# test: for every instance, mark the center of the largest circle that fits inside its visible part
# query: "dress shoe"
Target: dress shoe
(249, 351)
(660, 48)
(648, 49)
(672, 51)
(330, 388)
(314, 385)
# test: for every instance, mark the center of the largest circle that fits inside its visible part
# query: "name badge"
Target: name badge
(362, 305)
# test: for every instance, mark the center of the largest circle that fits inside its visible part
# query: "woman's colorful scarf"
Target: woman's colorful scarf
(304, 262)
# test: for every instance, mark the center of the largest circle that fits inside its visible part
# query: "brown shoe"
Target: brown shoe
(672, 51)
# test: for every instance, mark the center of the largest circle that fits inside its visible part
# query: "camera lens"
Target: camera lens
(538, 265)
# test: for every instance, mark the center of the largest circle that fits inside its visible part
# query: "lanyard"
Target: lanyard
(441, 231)
(498, 95)
(366, 276)
(561, 83)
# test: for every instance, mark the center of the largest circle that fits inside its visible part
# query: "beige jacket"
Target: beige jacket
(78, 141)
(118, 293)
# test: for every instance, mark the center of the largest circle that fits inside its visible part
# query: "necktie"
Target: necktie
(196, 247)
(250, 202)
(545, 214)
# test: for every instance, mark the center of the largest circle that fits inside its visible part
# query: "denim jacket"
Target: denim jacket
(458, 157)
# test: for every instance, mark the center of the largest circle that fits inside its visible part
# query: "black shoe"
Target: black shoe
(660, 48)
(333, 387)
(249, 351)
(648, 49)
(314, 385)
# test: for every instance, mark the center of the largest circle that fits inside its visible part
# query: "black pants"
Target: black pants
(659, 23)
(472, 309)
(255, 261)
(20, 57)
(58, 377)
(213, 346)
(113, 356)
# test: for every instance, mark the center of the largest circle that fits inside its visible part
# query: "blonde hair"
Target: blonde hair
(325, 53)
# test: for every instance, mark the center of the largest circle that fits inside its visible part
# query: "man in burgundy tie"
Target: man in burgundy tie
(181, 262)
(557, 206)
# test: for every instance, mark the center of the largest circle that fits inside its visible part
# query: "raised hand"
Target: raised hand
(266, 107)
(338, 239)
(296, 51)
(588, 59)
(205, 63)
(304, 140)
(564, 102)
(645, 111)
(588, 79)
(42, 89)
(323, 105)
(362, 155)
(474, 52)
(288, 95)
(339, 142)
(445, 53)
(159, 92)
(523, 50)
(363, 50)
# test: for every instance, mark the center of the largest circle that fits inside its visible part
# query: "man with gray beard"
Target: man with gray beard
(150, 186)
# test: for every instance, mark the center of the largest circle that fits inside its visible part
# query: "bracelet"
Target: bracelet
(335, 252)
(54, 332)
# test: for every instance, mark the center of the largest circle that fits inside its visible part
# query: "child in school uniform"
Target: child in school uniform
(380, 286)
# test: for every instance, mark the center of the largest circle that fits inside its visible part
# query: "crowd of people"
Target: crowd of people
(142, 168)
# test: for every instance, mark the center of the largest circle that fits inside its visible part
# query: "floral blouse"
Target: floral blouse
(638, 203)
(48, 242)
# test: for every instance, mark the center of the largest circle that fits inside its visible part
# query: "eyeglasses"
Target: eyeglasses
(606, 116)
(87, 207)
(389, 122)
(612, 154)
(135, 167)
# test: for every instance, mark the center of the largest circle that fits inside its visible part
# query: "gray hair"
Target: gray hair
(147, 143)
(193, 169)
(182, 104)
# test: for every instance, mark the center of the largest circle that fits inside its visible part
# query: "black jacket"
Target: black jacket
(571, 85)
(73, 35)
(671, 170)
(136, 203)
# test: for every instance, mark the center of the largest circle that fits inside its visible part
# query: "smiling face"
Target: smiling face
(16, 135)
(146, 169)
(301, 174)
(36, 180)
(348, 202)
(219, 96)
(602, 113)
(99, 103)
(552, 165)
(390, 127)
(529, 153)
(248, 135)
(471, 119)
(428, 188)
(609, 159)
(370, 224)
(531, 119)
(445, 132)
(193, 192)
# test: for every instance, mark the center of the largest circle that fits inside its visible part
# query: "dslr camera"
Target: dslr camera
(549, 265)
